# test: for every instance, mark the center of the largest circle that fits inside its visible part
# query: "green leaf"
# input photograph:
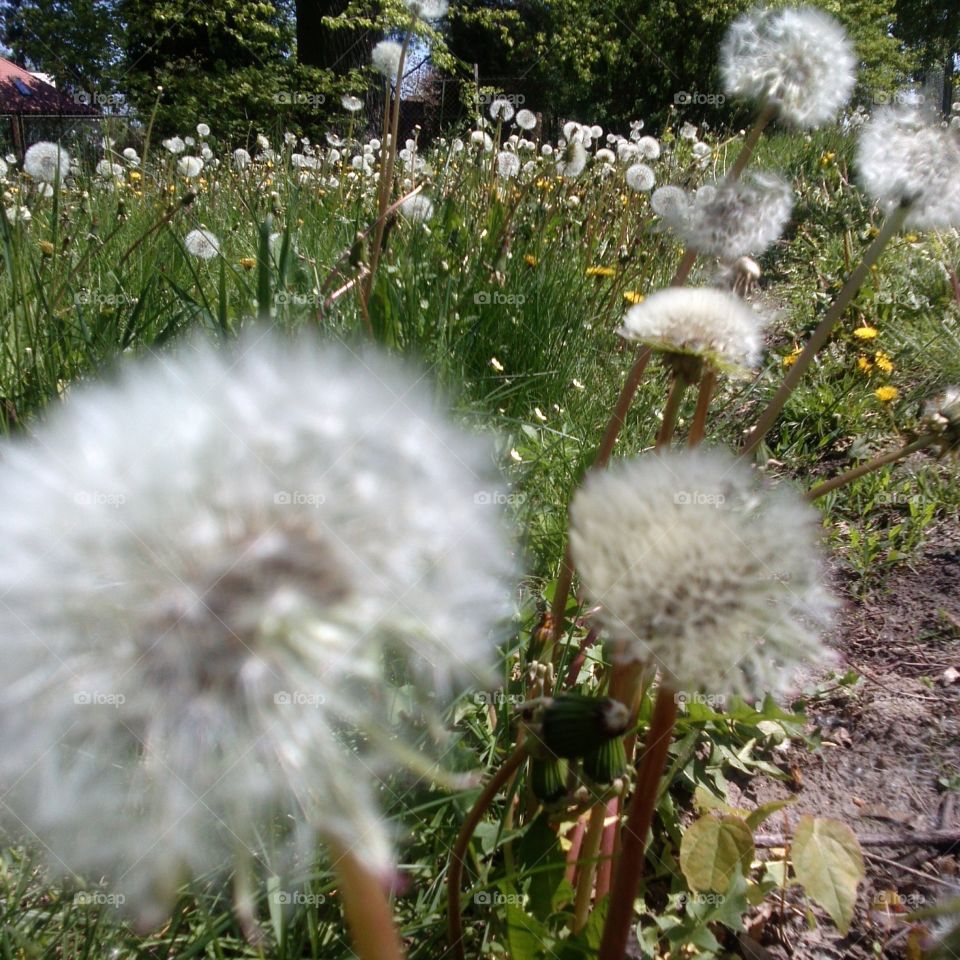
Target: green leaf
(540, 853)
(713, 850)
(828, 863)
(756, 817)
(525, 935)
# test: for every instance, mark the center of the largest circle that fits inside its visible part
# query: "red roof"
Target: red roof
(22, 92)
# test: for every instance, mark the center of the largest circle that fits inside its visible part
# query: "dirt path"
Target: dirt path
(889, 763)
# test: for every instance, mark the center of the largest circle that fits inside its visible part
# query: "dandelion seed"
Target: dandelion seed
(508, 164)
(688, 132)
(350, 103)
(648, 148)
(713, 326)
(702, 572)
(202, 244)
(671, 203)
(46, 162)
(501, 109)
(216, 574)
(203, 130)
(174, 145)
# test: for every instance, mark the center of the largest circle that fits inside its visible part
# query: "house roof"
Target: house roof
(22, 92)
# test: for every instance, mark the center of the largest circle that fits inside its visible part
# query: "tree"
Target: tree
(931, 29)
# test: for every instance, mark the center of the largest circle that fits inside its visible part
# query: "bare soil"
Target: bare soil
(888, 765)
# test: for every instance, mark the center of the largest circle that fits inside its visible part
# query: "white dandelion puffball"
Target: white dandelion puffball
(906, 156)
(417, 209)
(190, 167)
(573, 160)
(482, 140)
(526, 119)
(799, 59)
(428, 9)
(203, 130)
(648, 148)
(3, 168)
(640, 178)
(702, 572)
(202, 244)
(47, 162)
(241, 158)
(350, 103)
(713, 325)
(671, 203)
(737, 218)
(501, 109)
(386, 58)
(174, 145)
(508, 164)
(219, 572)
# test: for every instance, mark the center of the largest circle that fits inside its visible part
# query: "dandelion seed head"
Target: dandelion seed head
(713, 325)
(573, 160)
(202, 244)
(386, 58)
(799, 59)
(526, 119)
(417, 209)
(46, 162)
(905, 156)
(262, 551)
(190, 167)
(508, 164)
(702, 572)
(640, 178)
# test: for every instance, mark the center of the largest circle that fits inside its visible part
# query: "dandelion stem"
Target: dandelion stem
(750, 143)
(634, 838)
(458, 854)
(366, 909)
(823, 330)
(588, 865)
(698, 429)
(672, 411)
(891, 456)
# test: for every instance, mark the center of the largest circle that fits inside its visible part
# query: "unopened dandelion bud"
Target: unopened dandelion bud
(548, 778)
(606, 762)
(574, 724)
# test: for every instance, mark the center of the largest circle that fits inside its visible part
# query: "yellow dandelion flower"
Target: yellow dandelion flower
(884, 362)
(632, 296)
(600, 271)
(873, 231)
(46, 248)
(791, 358)
(886, 394)
(864, 364)
(529, 259)
(248, 263)
(866, 333)
(136, 175)
(912, 238)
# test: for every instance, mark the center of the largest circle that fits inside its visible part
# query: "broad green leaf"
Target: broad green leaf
(525, 935)
(713, 850)
(829, 865)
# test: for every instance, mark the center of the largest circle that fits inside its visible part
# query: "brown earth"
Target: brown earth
(888, 764)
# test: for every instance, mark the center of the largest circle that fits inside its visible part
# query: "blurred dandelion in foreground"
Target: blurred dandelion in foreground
(796, 59)
(699, 325)
(386, 58)
(702, 572)
(573, 160)
(202, 244)
(417, 209)
(47, 162)
(222, 576)
(906, 157)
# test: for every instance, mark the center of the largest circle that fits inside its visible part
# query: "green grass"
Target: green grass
(493, 297)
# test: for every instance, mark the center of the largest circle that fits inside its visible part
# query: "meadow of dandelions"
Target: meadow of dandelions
(247, 574)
